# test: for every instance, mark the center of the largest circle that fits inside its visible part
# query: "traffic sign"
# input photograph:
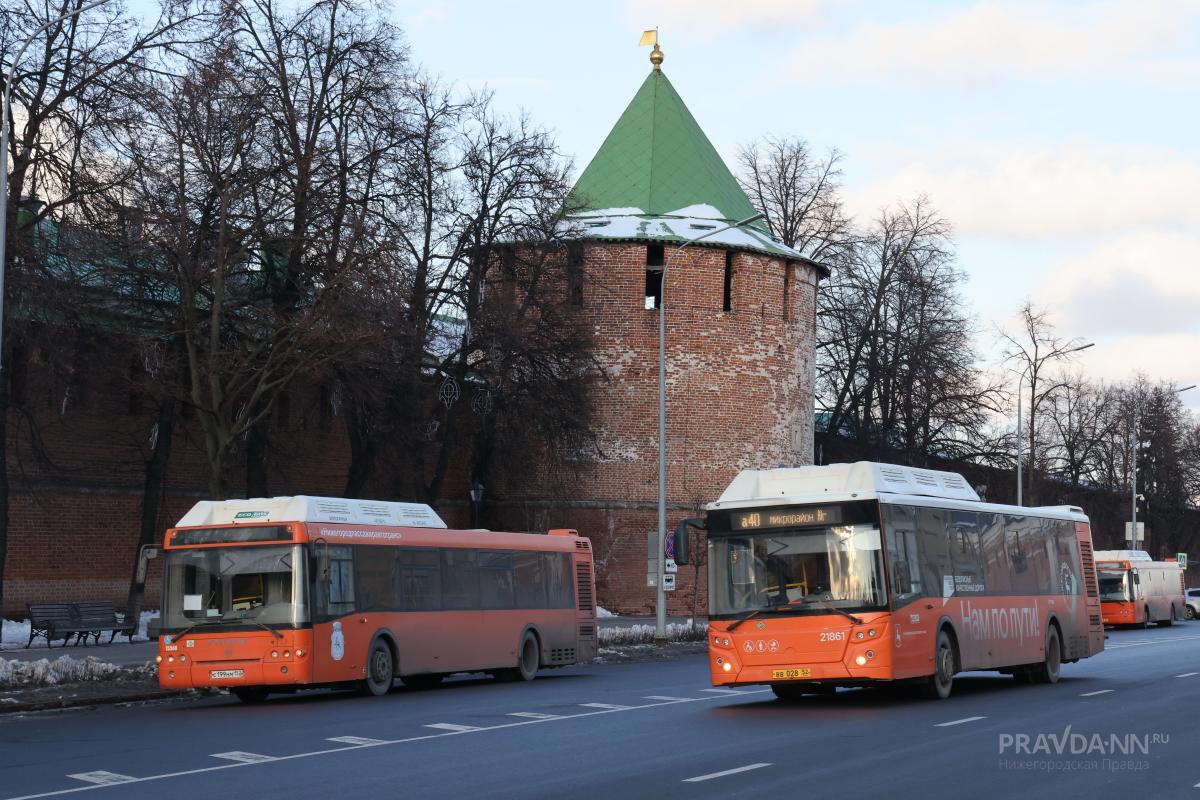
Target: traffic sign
(1182, 559)
(668, 583)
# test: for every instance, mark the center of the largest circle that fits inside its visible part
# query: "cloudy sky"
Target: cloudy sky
(1060, 138)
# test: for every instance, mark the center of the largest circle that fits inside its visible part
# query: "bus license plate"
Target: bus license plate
(227, 673)
(787, 674)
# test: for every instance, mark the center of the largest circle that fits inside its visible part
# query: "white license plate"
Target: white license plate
(227, 673)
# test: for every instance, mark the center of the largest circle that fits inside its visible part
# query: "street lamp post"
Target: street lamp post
(660, 629)
(476, 495)
(5, 116)
(1133, 492)
(1020, 432)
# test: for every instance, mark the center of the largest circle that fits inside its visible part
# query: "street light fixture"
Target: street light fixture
(1020, 433)
(476, 495)
(5, 116)
(1133, 492)
(660, 630)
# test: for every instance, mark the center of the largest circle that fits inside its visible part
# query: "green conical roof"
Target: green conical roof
(657, 159)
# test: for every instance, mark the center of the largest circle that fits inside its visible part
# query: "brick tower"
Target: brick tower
(739, 344)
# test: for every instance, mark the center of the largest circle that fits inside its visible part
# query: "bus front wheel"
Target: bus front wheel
(381, 669)
(938, 685)
(1049, 670)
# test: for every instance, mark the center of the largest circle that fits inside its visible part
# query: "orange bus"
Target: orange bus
(864, 574)
(1136, 590)
(274, 595)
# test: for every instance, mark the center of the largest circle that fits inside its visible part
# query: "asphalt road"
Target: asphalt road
(653, 729)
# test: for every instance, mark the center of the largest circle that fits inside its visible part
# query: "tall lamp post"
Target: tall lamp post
(660, 630)
(1020, 432)
(5, 116)
(1133, 492)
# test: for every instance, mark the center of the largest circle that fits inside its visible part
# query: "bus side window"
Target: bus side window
(964, 547)
(903, 553)
(935, 552)
(992, 553)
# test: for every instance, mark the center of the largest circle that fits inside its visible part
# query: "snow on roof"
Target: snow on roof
(675, 226)
(303, 508)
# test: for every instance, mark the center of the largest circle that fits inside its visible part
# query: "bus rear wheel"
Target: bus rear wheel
(381, 669)
(1170, 620)
(528, 660)
(1050, 669)
(250, 694)
(938, 685)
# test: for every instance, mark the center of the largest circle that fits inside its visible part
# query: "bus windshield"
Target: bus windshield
(797, 571)
(235, 586)
(1114, 585)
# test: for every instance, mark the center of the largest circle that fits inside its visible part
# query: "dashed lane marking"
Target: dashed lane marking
(349, 747)
(962, 721)
(534, 715)
(243, 757)
(665, 697)
(355, 740)
(606, 706)
(450, 726)
(102, 778)
(1187, 674)
(723, 773)
(1150, 641)
(723, 691)
(1098, 691)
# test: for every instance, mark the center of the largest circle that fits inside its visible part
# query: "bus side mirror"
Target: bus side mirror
(683, 553)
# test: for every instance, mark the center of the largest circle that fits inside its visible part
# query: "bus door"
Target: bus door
(340, 640)
(1095, 624)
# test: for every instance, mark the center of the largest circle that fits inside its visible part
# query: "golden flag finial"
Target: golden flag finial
(656, 55)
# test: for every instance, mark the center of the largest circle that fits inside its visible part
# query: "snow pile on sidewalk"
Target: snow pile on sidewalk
(602, 613)
(644, 634)
(64, 669)
(15, 635)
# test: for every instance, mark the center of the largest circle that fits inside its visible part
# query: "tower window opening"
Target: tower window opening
(787, 291)
(654, 255)
(654, 288)
(727, 303)
(575, 274)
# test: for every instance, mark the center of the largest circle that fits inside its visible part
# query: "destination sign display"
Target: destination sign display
(785, 518)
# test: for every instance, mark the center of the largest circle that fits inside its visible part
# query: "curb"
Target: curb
(55, 703)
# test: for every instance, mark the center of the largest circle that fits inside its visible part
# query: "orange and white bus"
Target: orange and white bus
(863, 574)
(1137, 590)
(273, 595)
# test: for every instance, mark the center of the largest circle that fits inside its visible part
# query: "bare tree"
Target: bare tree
(70, 102)
(799, 194)
(1032, 350)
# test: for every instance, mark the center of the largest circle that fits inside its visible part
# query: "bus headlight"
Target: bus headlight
(871, 633)
(727, 666)
(158, 659)
(299, 654)
(858, 635)
(860, 660)
(870, 654)
(274, 654)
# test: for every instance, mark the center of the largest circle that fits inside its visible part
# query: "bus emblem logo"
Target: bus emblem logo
(762, 625)
(337, 642)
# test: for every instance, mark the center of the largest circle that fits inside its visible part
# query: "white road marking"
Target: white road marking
(723, 691)
(1187, 674)
(606, 706)
(1150, 641)
(450, 726)
(1098, 691)
(335, 750)
(957, 722)
(665, 697)
(102, 778)
(244, 757)
(355, 740)
(534, 715)
(723, 773)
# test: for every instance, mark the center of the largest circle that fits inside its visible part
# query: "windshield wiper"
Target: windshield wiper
(740, 620)
(832, 607)
(264, 626)
(193, 626)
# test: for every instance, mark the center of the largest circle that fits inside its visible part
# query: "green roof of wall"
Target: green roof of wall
(657, 159)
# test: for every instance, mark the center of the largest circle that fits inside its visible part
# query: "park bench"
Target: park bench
(81, 620)
(97, 617)
(52, 620)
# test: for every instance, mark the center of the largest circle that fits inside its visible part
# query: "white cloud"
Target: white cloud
(1151, 39)
(704, 20)
(1027, 191)
(1137, 286)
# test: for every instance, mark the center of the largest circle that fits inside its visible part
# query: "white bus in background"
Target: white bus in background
(1137, 590)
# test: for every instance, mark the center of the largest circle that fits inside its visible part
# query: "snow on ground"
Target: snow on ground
(603, 612)
(63, 669)
(15, 634)
(644, 634)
